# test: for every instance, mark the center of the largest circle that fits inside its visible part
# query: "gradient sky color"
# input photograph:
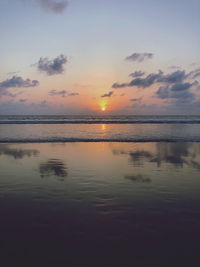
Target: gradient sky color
(95, 39)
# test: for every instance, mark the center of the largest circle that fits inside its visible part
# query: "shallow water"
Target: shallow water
(99, 132)
(100, 204)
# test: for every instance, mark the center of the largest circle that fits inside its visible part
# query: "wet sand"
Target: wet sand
(100, 204)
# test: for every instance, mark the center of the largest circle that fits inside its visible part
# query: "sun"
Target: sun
(103, 109)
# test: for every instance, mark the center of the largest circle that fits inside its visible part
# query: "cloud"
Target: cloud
(18, 82)
(12, 73)
(22, 100)
(172, 78)
(56, 7)
(52, 67)
(58, 93)
(137, 74)
(108, 94)
(62, 93)
(15, 82)
(73, 94)
(141, 82)
(194, 74)
(173, 67)
(139, 57)
(136, 99)
(7, 93)
(178, 91)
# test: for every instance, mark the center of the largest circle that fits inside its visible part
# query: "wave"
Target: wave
(148, 121)
(95, 140)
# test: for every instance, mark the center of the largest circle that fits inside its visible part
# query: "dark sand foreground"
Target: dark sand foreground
(100, 204)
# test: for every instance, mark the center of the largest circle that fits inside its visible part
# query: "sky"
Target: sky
(99, 57)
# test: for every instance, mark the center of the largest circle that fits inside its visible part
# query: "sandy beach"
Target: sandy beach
(100, 202)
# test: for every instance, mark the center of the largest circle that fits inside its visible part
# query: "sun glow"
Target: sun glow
(103, 109)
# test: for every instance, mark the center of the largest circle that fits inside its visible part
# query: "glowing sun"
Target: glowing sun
(103, 109)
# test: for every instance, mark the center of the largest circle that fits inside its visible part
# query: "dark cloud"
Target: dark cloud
(18, 82)
(52, 67)
(22, 100)
(7, 93)
(108, 94)
(178, 91)
(139, 57)
(62, 93)
(53, 6)
(43, 103)
(172, 78)
(194, 74)
(137, 74)
(73, 94)
(58, 93)
(176, 87)
(136, 99)
(15, 82)
(181, 86)
(141, 82)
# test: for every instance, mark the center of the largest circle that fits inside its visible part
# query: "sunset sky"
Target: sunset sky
(79, 57)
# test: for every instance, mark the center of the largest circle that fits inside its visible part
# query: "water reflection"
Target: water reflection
(137, 178)
(105, 201)
(17, 153)
(103, 127)
(138, 156)
(177, 154)
(174, 153)
(53, 167)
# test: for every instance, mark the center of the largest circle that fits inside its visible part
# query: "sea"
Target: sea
(100, 191)
(99, 128)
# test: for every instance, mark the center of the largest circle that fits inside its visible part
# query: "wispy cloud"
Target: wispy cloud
(56, 7)
(137, 74)
(58, 93)
(62, 93)
(109, 94)
(52, 67)
(174, 67)
(139, 57)
(73, 94)
(13, 73)
(136, 99)
(22, 100)
(194, 74)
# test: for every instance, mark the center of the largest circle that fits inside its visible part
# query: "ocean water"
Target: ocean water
(103, 193)
(98, 128)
